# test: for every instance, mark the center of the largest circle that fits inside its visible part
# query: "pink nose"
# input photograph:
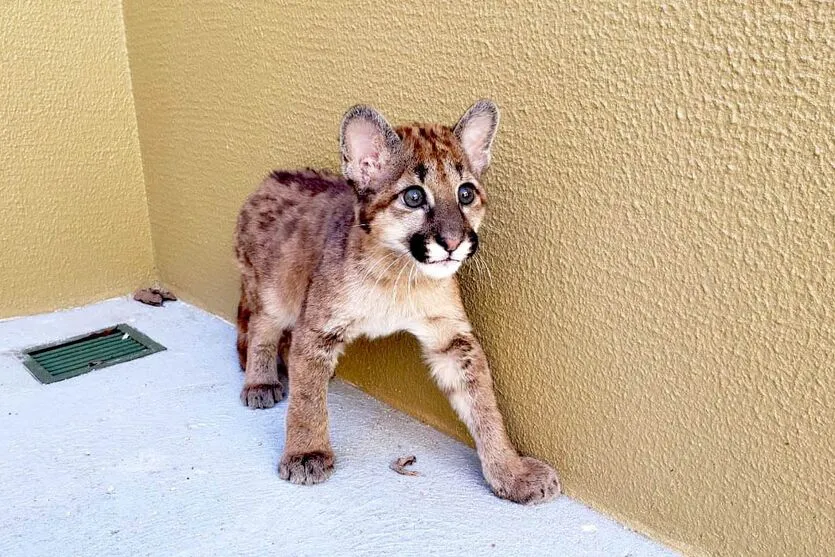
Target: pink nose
(449, 242)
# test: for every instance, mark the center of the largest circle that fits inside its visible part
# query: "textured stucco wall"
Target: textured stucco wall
(660, 312)
(73, 212)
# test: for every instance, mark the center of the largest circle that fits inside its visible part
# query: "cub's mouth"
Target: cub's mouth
(440, 269)
(437, 258)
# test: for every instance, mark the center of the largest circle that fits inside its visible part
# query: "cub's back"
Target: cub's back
(283, 228)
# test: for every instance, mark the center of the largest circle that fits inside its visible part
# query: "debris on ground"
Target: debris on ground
(153, 296)
(167, 295)
(146, 296)
(400, 464)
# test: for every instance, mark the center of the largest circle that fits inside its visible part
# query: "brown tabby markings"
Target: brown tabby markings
(324, 260)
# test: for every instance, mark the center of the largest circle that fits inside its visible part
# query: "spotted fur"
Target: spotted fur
(325, 259)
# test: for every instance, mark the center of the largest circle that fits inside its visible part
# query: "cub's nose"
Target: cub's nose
(449, 241)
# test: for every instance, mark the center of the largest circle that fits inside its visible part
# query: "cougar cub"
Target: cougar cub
(325, 259)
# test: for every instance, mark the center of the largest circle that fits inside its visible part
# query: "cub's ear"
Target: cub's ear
(476, 130)
(370, 147)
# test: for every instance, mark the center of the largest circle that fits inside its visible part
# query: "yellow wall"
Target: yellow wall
(660, 311)
(73, 212)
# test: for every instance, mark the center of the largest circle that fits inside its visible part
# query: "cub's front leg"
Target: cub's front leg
(459, 367)
(308, 457)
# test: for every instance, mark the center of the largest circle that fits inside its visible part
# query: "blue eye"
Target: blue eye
(414, 197)
(466, 193)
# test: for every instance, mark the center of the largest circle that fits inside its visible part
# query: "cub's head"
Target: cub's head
(419, 185)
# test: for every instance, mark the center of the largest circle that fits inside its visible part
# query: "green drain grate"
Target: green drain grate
(69, 358)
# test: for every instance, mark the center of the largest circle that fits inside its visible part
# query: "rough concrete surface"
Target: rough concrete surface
(158, 457)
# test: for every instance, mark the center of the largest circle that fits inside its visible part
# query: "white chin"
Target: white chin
(440, 270)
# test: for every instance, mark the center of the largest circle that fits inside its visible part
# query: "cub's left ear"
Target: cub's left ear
(371, 149)
(476, 130)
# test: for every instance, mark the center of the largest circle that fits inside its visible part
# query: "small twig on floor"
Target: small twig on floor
(400, 464)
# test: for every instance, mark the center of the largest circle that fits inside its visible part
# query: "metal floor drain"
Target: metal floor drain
(69, 358)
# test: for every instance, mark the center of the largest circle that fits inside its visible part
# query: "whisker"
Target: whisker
(394, 288)
(481, 267)
(476, 265)
(411, 300)
(487, 268)
(374, 266)
(383, 272)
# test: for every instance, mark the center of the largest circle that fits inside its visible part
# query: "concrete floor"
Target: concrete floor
(158, 457)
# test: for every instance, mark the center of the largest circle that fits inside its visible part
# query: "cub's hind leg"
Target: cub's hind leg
(263, 386)
(244, 315)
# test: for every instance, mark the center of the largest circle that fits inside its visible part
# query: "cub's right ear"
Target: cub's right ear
(476, 130)
(370, 147)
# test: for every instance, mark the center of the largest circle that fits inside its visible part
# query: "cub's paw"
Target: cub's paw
(306, 468)
(527, 481)
(262, 396)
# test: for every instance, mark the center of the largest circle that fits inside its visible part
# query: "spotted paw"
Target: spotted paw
(262, 396)
(306, 468)
(527, 481)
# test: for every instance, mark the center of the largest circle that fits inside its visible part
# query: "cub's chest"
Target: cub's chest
(376, 317)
